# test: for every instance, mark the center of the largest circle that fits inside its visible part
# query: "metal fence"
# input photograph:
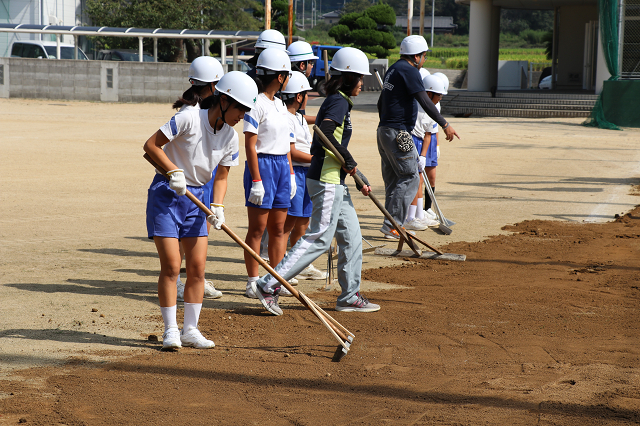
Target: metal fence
(630, 39)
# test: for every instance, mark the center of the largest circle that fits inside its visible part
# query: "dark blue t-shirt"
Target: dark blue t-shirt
(398, 107)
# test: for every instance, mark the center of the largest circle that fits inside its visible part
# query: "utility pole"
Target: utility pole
(433, 18)
(410, 18)
(267, 14)
(421, 17)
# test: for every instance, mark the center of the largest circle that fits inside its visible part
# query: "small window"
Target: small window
(16, 50)
(110, 78)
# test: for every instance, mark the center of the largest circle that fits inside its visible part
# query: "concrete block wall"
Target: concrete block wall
(105, 81)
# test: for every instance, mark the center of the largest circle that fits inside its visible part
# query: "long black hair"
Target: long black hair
(192, 96)
(345, 82)
(264, 80)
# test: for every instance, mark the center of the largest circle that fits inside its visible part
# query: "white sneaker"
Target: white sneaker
(284, 292)
(430, 223)
(249, 291)
(193, 338)
(210, 291)
(312, 273)
(293, 281)
(415, 225)
(180, 285)
(171, 339)
(431, 214)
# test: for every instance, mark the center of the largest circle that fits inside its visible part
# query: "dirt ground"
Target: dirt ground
(539, 326)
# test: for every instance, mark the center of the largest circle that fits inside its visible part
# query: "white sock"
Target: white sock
(169, 316)
(191, 315)
(420, 209)
(412, 213)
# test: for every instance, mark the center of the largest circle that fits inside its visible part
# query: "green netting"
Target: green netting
(608, 10)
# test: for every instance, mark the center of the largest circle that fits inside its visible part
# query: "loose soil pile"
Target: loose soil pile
(537, 327)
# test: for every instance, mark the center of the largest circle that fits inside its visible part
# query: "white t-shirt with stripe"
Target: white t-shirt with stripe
(195, 148)
(300, 129)
(268, 119)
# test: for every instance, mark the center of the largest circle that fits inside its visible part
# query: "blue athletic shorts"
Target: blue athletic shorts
(432, 152)
(276, 180)
(173, 216)
(418, 143)
(301, 202)
(208, 189)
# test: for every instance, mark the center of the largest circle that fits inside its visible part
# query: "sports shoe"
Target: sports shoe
(194, 339)
(312, 273)
(360, 305)
(430, 223)
(249, 291)
(210, 291)
(180, 285)
(392, 234)
(284, 292)
(171, 339)
(268, 300)
(415, 224)
(431, 214)
(293, 281)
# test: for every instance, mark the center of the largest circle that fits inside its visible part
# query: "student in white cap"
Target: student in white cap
(398, 106)
(204, 74)
(189, 147)
(302, 59)
(269, 180)
(266, 39)
(333, 213)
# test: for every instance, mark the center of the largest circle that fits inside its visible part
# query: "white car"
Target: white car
(44, 50)
(545, 83)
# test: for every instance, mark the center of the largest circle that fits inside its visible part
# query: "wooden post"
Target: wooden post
(267, 14)
(421, 32)
(290, 21)
(410, 18)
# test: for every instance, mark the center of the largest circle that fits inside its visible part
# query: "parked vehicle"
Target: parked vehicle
(131, 55)
(44, 50)
(545, 83)
(316, 79)
(242, 65)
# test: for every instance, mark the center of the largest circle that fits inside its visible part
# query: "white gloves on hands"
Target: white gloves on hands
(177, 182)
(294, 187)
(438, 156)
(257, 193)
(422, 161)
(217, 218)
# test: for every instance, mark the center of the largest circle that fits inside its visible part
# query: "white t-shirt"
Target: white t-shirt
(195, 148)
(300, 129)
(424, 123)
(268, 119)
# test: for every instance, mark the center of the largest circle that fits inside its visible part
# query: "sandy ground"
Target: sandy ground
(538, 326)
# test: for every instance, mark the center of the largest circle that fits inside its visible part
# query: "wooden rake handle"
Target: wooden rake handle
(401, 232)
(337, 331)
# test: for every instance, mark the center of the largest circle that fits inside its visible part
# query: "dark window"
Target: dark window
(17, 50)
(110, 78)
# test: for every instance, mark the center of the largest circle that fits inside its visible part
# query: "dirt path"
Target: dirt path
(538, 326)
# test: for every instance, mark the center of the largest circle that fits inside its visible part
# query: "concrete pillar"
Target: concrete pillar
(495, 46)
(480, 29)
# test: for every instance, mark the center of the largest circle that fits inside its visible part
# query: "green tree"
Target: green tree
(369, 30)
(170, 14)
(279, 15)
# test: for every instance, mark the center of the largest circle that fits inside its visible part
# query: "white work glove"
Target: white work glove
(177, 182)
(257, 193)
(438, 155)
(294, 187)
(217, 218)
(422, 161)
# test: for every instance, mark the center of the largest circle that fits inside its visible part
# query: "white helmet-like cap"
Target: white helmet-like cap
(433, 83)
(300, 51)
(271, 38)
(350, 59)
(204, 70)
(297, 83)
(413, 45)
(445, 80)
(274, 60)
(424, 72)
(240, 87)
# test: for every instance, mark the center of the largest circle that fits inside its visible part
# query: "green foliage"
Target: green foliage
(533, 37)
(216, 14)
(280, 16)
(547, 39)
(319, 34)
(459, 63)
(367, 31)
(382, 14)
(357, 6)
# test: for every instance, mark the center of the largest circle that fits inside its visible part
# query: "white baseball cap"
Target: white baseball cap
(240, 87)
(204, 70)
(300, 51)
(413, 45)
(350, 59)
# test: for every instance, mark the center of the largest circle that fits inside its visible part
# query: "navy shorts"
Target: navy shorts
(276, 180)
(301, 202)
(173, 216)
(432, 151)
(208, 189)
